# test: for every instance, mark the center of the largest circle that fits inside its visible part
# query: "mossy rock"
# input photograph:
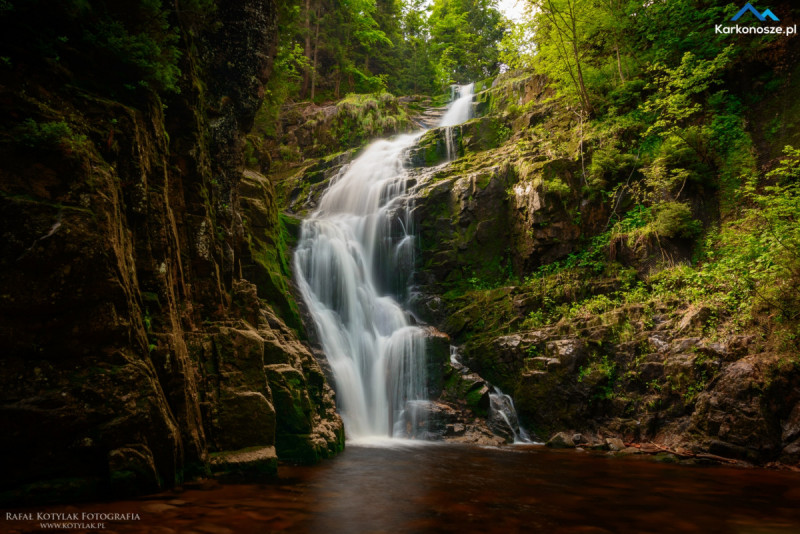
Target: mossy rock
(300, 449)
(251, 463)
(132, 471)
(246, 419)
(290, 395)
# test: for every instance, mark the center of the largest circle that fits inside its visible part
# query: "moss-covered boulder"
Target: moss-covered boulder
(251, 463)
(297, 439)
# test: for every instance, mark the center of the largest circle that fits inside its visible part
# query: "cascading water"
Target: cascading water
(503, 418)
(353, 259)
(348, 260)
(501, 407)
(460, 111)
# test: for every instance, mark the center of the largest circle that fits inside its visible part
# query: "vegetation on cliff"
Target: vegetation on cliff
(618, 235)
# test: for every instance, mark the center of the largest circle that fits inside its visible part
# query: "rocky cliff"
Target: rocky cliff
(599, 330)
(149, 335)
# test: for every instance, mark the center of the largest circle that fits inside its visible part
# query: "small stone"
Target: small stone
(615, 444)
(562, 440)
(694, 318)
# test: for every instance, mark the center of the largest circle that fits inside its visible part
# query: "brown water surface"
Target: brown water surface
(456, 488)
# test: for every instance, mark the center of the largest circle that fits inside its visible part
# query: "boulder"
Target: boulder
(615, 444)
(246, 419)
(245, 464)
(562, 440)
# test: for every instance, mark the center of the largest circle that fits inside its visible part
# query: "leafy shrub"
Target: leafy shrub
(673, 220)
(144, 42)
(52, 134)
(608, 164)
(668, 220)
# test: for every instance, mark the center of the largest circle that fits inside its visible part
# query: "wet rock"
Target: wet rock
(684, 345)
(615, 444)
(468, 387)
(570, 352)
(456, 429)
(791, 427)
(429, 420)
(246, 419)
(132, 470)
(658, 344)
(650, 371)
(739, 346)
(562, 440)
(437, 346)
(249, 463)
(790, 454)
(733, 413)
(544, 363)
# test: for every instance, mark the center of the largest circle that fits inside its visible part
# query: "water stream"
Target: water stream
(419, 487)
(353, 261)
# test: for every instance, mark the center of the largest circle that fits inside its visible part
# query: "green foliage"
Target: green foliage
(151, 53)
(666, 220)
(609, 165)
(675, 101)
(602, 372)
(134, 43)
(464, 38)
(54, 134)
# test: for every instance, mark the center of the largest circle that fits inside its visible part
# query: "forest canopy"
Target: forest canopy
(333, 47)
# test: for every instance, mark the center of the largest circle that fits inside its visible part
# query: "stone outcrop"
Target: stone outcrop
(144, 288)
(661, 372)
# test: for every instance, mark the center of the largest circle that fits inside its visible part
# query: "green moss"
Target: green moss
(473, 398)
(272, 277)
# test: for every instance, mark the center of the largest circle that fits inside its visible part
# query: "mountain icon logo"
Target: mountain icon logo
(767, 14)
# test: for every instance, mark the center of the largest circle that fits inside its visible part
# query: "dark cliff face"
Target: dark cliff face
(135, 352)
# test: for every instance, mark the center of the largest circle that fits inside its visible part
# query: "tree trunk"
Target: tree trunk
(307, 50)
(584, 93)
(316, 55)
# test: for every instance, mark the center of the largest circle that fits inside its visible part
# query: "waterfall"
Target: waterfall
(502, 412)
(350, 259)
(353, 263)
(460, 111)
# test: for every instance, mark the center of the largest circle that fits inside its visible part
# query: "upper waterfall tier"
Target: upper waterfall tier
(461, 108)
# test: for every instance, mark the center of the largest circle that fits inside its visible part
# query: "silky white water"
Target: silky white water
(460, 111)
(353, 260)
